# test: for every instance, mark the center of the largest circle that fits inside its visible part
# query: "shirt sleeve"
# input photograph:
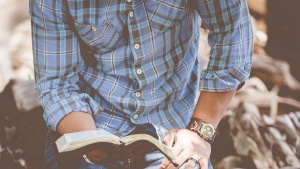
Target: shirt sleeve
(231, 41)
(57, 61)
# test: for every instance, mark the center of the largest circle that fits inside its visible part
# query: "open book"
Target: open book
(76, 144)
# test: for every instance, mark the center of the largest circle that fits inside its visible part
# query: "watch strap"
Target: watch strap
(195, 126)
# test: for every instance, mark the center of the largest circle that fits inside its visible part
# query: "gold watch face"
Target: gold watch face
(207, 131)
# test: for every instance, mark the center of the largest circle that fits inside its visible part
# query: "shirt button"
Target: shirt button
(130, 14)
(135, 116)
(139, 71)
(136, 46)
(137, 94)
(94, 28)
(128, 0)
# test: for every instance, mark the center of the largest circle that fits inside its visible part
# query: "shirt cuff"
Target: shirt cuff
(58, 108)
(224, 80)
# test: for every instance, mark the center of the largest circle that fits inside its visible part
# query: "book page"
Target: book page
(72, 141)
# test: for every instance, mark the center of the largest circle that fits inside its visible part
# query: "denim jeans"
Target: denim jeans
(149, 161)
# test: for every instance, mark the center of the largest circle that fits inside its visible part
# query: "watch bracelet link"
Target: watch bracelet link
(195, 125)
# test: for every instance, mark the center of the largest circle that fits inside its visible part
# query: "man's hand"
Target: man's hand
(186, 144)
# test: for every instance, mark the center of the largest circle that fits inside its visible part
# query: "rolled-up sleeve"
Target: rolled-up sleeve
(57, 61)
(231, 41)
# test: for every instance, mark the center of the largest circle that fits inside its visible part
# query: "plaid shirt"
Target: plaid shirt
(135, 62)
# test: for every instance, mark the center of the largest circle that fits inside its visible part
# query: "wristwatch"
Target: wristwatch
(204, 130)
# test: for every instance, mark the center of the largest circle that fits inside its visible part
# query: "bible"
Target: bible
(72, 145)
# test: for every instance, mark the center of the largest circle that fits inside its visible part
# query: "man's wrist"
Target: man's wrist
(205, 130)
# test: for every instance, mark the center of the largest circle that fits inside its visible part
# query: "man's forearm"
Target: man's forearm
(212, 105)
(76, 121)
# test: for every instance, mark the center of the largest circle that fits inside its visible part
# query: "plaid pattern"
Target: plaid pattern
(144, 66)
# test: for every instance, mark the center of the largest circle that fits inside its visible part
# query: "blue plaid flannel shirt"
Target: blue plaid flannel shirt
(144, 65)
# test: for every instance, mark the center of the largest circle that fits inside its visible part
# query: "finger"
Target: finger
(165, 164)
(203, 163)
(177, 149)
(181, 159)
(190, 164)
(170, 138)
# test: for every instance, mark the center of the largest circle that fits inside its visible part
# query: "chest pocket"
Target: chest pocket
(164, 14)
(100, 38)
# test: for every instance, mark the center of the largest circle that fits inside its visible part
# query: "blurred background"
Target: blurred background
(261, 128)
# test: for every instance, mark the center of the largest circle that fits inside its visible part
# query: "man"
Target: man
(128, 66)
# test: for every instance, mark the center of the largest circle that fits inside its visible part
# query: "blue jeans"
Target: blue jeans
(149, 161)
